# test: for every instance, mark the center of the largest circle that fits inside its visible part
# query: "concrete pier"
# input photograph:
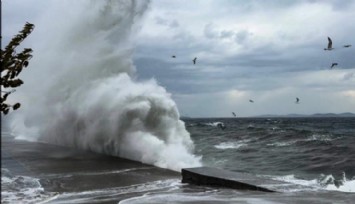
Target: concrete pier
(62, 169)
(84, 177)
(222, 178)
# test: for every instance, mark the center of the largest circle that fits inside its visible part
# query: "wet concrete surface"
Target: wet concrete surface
(85, 177)
(236, 180)
(62, 169)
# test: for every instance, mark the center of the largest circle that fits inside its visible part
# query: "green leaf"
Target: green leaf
(16, 106)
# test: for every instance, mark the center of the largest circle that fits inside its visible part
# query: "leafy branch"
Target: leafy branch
(12, 64)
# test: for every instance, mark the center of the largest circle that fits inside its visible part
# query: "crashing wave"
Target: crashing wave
(87, 96)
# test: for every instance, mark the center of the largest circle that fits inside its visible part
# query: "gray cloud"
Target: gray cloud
(242, 36)
(263, 49)
(210, 31)
(165, 22)
(349, 76)
(227, 34)
(336, 5)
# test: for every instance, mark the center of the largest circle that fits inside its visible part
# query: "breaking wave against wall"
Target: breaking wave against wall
(80, 89)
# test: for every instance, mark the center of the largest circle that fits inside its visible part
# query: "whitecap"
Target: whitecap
(320, 137)
(281, 144)
(231, 145)
(326, 182)
(344, 185)
(22, 189)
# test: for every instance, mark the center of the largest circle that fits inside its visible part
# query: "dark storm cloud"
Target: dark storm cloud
(267, 49)
(177, 78)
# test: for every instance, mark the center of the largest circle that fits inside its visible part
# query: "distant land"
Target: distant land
(324, 115)
(316, 115)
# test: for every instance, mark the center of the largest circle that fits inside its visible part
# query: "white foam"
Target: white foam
(320, 137)
(215, 124)
(312, 138)
(292, 179)
(330, 183)
(87, 96)
(197, 197)
(347, 186)
(231, 145)
(110, 194)
(212, 124)
(281, 144)
(325, 183)
(22, 189)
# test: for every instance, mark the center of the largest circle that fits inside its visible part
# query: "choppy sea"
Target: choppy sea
(318, 154)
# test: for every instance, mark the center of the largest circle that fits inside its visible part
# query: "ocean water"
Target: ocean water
(93, 101)
(316, 152)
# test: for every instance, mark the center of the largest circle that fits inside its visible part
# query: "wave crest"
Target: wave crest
(88, 97)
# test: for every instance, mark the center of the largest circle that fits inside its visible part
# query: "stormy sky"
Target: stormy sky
(268, 51)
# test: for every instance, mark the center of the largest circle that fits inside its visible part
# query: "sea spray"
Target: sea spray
(22, 189)
(82, 92)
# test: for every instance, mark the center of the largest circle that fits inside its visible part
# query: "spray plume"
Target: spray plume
(80, 90)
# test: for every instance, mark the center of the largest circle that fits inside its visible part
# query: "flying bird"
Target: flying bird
(194, 60)
(333, 65)
(347, 46)
(234, 114)
(330, 44)
(173, 56)
(251, 101)
(297, 100)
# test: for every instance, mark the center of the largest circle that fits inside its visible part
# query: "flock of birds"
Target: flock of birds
(193, 61)
(328, 48)
(251, 101)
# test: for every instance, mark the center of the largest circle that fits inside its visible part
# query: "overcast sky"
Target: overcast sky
(270, 51)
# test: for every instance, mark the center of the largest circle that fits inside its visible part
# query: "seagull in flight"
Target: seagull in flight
(251, 101)
(333, 65)
(330, 44)
(234, 114)
(194, 60)
(297, 100)
(173, 56)
(346, 46)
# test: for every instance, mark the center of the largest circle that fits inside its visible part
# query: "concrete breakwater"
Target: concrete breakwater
(76, 175)
(222, 178)
(63, 169)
